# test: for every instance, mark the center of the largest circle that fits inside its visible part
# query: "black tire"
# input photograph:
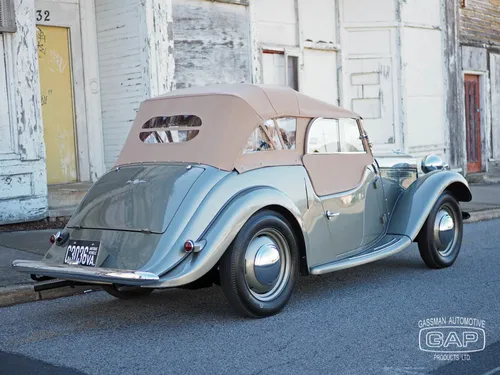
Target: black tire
(431, 254)
(125, 292)
(233, 275)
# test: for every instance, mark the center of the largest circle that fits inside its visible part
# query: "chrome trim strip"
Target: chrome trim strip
(391, 242)
(82, 273)
(401, 244)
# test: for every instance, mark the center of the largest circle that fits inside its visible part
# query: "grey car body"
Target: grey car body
(143, 213)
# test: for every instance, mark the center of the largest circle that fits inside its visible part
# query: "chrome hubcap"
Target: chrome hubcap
(444, 231)
(267, 264)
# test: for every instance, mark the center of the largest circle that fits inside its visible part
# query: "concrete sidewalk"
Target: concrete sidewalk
(484, 197)
(33, 245)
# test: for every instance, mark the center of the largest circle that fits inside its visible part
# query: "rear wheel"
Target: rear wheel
(127, 292)
(258, 272)
(440, 238)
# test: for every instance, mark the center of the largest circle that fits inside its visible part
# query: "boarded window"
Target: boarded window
(7, 16)
(178, 129)
(293, 72)
(280, 69)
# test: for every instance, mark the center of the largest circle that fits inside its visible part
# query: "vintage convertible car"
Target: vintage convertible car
(248, 186)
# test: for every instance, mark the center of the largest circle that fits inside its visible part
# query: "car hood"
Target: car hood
(142, 198)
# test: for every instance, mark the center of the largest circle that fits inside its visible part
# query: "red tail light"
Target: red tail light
(189, 246)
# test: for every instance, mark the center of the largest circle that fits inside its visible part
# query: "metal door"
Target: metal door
(473, 123)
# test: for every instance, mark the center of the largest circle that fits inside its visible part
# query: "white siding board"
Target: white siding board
(364, 11)
(121, 70)
(319, 78)
(5, 128)
(425, 12)
(495, 103)
(276, 22)
(318, 20)
(424, 81)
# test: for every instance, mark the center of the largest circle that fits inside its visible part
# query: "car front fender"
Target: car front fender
(415, 203)
(222, 231)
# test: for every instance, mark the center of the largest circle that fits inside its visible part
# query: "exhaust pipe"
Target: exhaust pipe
(58, 284)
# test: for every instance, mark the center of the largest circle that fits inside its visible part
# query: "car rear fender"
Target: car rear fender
(416, 202)
(223, 229)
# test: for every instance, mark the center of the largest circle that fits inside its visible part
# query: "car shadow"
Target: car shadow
(178, 306)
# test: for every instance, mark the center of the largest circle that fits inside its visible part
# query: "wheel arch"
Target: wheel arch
(226, 225)
(297, 231)
(416, 202)
(460, 191)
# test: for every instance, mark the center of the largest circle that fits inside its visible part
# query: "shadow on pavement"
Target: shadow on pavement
(22, 365)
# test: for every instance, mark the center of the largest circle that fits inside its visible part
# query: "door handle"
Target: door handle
(331, 215)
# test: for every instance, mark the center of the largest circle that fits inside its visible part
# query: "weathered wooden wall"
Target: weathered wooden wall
(454, 106)
(23, 181)
(480, 22)
(211, 42)
(121, 73)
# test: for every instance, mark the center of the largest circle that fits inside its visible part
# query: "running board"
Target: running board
(388, 246)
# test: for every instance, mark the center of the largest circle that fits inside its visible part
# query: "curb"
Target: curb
(17, 294)
(483, 215)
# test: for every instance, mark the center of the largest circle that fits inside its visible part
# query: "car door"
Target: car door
(338, 161)
(375, 217)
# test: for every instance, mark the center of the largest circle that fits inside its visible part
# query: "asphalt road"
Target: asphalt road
(360, 321)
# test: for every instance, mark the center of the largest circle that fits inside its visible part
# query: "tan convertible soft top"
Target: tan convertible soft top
(229, 114)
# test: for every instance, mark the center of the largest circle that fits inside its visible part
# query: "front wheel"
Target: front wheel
(440, 238)
(127, 292)
(258, 272)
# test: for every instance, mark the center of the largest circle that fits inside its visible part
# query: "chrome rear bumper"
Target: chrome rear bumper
(82, 273)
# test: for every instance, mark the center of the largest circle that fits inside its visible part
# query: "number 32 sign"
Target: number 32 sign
(42, 15)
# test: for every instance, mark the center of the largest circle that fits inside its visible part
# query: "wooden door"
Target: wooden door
(57, 103)
(473, 123)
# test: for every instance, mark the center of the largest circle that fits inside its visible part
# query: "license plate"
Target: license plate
(82, 252)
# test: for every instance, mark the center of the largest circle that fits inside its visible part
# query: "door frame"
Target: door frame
(85, 80)
(485, 118)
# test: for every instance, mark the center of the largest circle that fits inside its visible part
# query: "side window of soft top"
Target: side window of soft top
(276, 134)
(330, 136)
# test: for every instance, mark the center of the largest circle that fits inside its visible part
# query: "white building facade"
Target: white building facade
(74, 72)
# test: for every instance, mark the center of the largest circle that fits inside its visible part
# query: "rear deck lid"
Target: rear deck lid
(136, 198)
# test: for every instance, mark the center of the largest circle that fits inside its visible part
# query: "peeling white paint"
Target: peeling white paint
(211, 43)
(25, 83)
(495, 104)
(58, 61)
(121, 69)
(158, 45)
(25, 113)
